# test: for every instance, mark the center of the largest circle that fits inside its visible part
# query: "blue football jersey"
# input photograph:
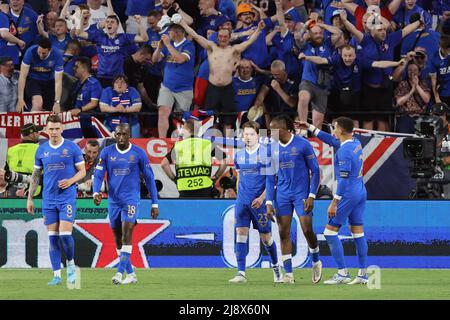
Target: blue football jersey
(348, 165)
(123, 169)
(58, 163)
(255, 172)
(298, 169)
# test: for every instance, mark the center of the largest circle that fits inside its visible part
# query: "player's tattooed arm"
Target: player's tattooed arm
(35, 181)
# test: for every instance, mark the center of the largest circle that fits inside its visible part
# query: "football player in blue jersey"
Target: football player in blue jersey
(349, 200)
(61, 163)
(254, 174)
(123, 163)
(297, 185)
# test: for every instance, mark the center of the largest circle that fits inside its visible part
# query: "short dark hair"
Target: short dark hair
(348, 47)
(285, 121)
(61, 20)
(190, 125)
(54, 118)
(45, 43)
(93, 143)
(86, 62)
(121, 76)
(345, 123)
(113, 17)
(146, 48)
(154, 13)
(251, 124)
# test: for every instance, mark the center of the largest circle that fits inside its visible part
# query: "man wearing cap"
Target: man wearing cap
(223, 59)
(176, 88)
(8, 85)
(257, 52)
(20, 160)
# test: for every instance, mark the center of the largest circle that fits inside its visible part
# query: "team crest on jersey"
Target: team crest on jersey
(294, 151)
(116, 41)
(65, 153)
(132, 158)
(50, 64)
(113, 158)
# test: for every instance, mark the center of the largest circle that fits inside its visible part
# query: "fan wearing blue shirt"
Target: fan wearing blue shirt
(246, 87)
(176, 88)
(256, 188)
(349, 200)
(112, 47)
(24, 19)
(406, 10)
(123, 163)
(10, 45)
(298, 181)
(86, 94)
(315, 79)
(377, 87)
(61, 164)
(121, 100)
(284, 45)
(41, 78)
(440, 72)
(60, 38)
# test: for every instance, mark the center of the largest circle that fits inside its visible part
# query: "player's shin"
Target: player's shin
(125, 254)
(68, 246)
(55, 252)
(314, 254)
(361, 251)
(271, 248)
(287, 263)
(129, 267)
(241, 252)
(337, 250)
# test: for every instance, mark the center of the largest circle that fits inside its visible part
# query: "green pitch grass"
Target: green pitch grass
(212, 284)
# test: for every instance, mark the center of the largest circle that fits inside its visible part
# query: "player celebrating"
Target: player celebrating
(298, 182)
(61, 161)
(349, 200)
(254, 173)
(123, 163)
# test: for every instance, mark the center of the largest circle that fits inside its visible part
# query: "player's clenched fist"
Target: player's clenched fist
(30, 207)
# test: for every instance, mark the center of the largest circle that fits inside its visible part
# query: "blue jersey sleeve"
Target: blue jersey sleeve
(313, 166)
(189, 50)
(345, 167)
(77, 155)
(59, 62)
(106, 96)
(99, 173)
(4, 22)
(149, 177)
(95, 90)
(328, 139)
(37, 159)
(28, 57)
(135, 97)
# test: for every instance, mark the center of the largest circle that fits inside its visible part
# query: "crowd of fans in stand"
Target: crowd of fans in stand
(369, 59)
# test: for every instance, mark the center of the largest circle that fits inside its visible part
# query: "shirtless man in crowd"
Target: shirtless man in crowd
(223, 60)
